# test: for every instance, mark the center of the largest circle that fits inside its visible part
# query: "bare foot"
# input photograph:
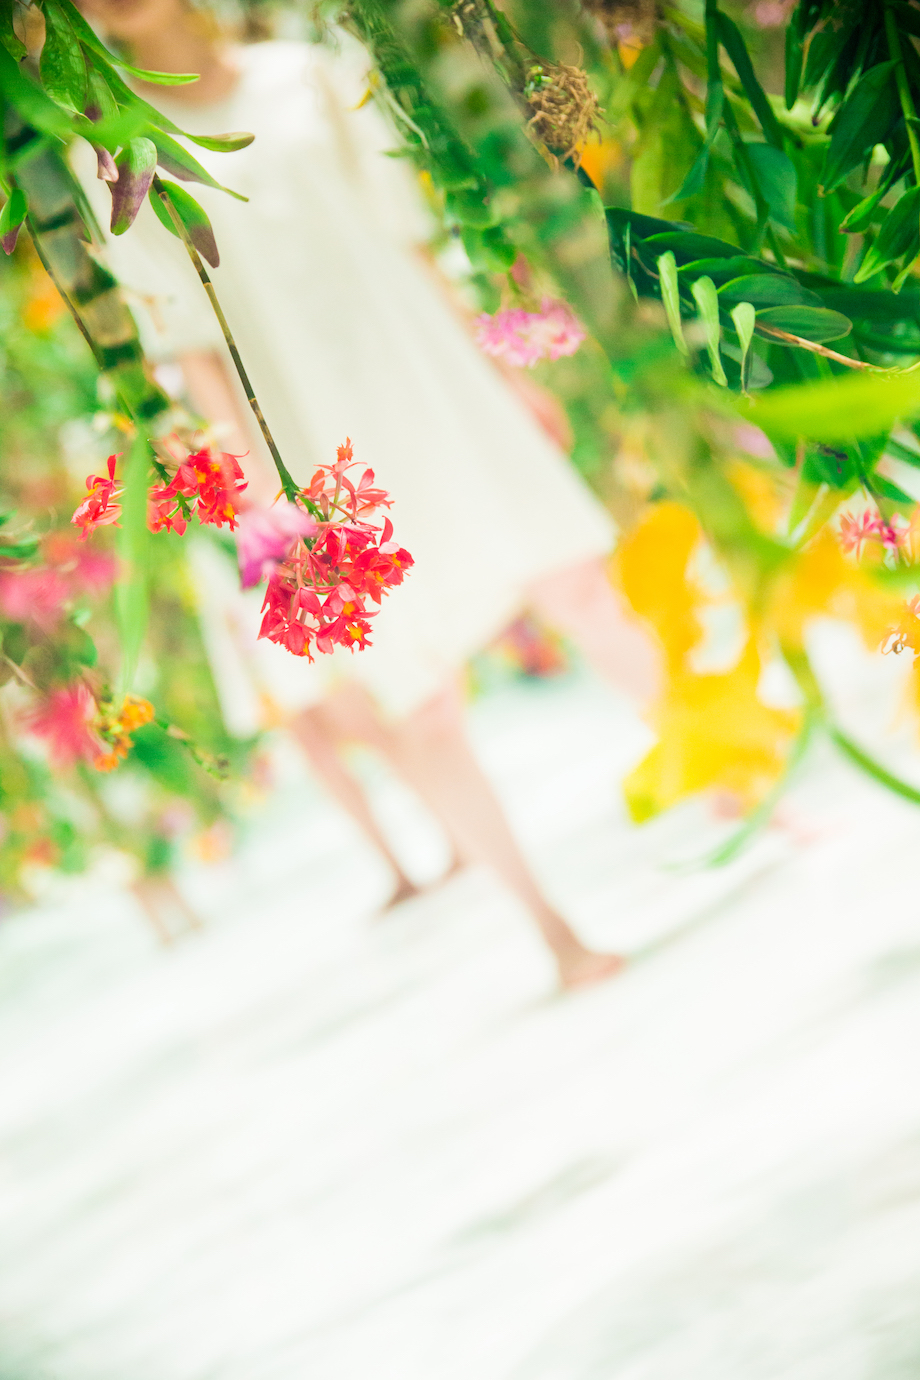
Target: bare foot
(583, 967)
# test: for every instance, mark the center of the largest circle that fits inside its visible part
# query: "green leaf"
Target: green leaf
(222, 143)
(29, 101)
(778, 182)
(862, 215)
(874, 769)
(90, 39)
(8, 36)
(13, 214)
(734, 45)
(899, 234)
(192, 216)
(838, 409)
(61, 67)
(729, 268)
(707, 299)
(768, 290)
(743, 318)
(864, 120)
(687, 245)
(794, 52)
(670, 295)
(136, 165)
(816, 324)
(178, 161)
(901, 452)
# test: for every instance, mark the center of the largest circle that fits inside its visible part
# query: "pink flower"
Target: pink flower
(62, 720)
(871, 526)
(265, 536)
(523, 337)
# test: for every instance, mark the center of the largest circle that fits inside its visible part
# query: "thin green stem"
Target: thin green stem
(287, 483)
(904, 95)
(868, 764)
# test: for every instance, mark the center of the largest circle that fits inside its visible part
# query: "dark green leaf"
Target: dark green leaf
(733, 43)
(793, 65)
(728, 268)
(61, 67)
(899, 234)
(8, 36)
(816, 324)
(902, 452)
(29, 101)
(768, 290)
(776, 176)
(864, 120)
(192, 216)
(687, 245)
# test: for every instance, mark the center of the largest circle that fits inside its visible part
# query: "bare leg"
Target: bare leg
(431, 751)
(318, 736)
(159, 897)
(582, 603)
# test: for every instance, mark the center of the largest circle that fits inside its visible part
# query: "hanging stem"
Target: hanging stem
(872, 768)
(906, 99)
(287, 483)
(64, 295)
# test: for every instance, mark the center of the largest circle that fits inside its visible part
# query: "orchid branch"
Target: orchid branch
(291, 490)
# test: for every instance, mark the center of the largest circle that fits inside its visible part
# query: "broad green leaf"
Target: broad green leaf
(178, 161)
(838, 409)
(731, 39)
(816, 324)
(222, 143)
(90, 39)
(192, 216)
(794, 53)
(61, 67)
(687, 245)
(862, 215)
(13, 214)
(768, 290)
(8, 36)
(728, 268)
(670, 295)
(865, 119)
(707, 299)
(29, 101)
(899, 234)
(743, 318)
(901, 452)
(776, 175)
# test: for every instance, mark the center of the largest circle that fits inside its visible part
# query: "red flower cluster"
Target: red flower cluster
(74, 728)
(212, 483)
(205, 485)
(99, 507)
(319, 596)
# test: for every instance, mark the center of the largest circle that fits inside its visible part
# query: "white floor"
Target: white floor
(315, 1143)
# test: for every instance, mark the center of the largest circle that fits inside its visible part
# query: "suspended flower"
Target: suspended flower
(208, 485)
(523, 337)
(99, 508)
(317, 597)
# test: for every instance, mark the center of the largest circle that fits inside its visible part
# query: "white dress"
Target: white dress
(344, 333)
